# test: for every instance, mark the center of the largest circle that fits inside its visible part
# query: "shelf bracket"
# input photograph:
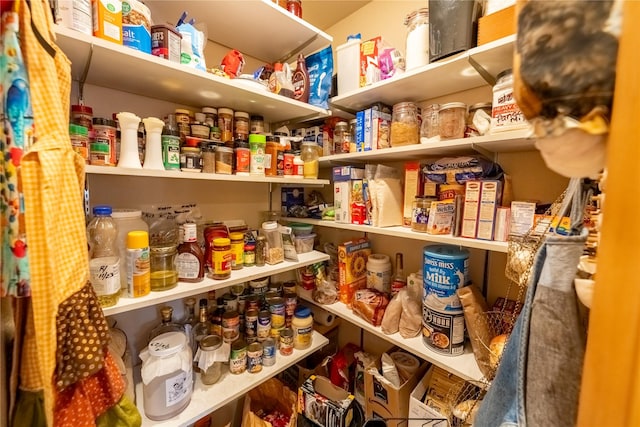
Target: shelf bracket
(85, 73)
(481, 150)
(483, 73)
(302, 119)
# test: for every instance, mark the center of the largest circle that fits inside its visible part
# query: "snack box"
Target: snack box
(291, 197)
(352, 267)
(369, 61)
(342, 199)
(325, 404)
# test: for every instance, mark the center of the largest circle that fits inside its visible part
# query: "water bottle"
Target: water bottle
(104, 259)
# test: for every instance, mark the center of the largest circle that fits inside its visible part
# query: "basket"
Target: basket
(463, 402)
(495, 323)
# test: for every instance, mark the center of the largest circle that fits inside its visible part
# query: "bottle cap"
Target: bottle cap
(102, 210)
(303, 311)
(221, 241)
(137, 239)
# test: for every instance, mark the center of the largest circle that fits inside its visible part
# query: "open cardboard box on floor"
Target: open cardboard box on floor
(325, 404)
(385, 401)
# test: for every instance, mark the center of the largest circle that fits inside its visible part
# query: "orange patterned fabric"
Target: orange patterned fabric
(81, 403)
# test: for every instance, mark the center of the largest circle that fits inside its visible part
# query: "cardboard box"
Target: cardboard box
(342, 177)
(386, 401)
(358, 208)
(503, 224)
(367, 130)
(470, 210)
(490, 197)
(369, 61)
(412, 187)
(522, 217)
(441, 217)
(497, 25)
(419, 411)
(380, 129)
(352, 267)
(291, 197)
(324, 403)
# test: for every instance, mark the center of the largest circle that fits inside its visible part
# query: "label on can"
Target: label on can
(252, 302)
(230, 302)
(254, 358)
(286, 342)
(264, 325)
(269, 352)
(238, 358)
(230, 326)
(443, 332)
(446, 269)
(251, 324)
(277, 310)
(290, 303)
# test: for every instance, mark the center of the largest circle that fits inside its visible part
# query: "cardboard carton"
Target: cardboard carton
(325, 404)
(342, 199)
(352, 267)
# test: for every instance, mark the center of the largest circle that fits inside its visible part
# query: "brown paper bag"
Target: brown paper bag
(267, 397)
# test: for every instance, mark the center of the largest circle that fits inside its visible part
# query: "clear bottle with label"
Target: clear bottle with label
(203, 327)
(104, 257)
(167, 324)
(309, 155)
(190, 260)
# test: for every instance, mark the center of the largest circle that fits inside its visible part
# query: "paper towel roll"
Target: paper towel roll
(322, 316)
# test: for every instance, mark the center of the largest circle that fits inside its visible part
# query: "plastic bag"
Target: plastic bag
(411, 317)
(320, 69)
(391, 318)
(192, 47)
(325, 292)
(388, 197)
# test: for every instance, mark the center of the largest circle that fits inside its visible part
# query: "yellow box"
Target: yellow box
(497, 25)
(107, 20)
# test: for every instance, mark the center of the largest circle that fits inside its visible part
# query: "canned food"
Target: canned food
(269, 352)
(286, 342)
(289, 287)
(251, 325)
(252, 302)
(290, 303)
(254, 357)
(230, 326)
(264, 325)
(443, 331)
(260, 286)
(275, 287)
(269, 295)
(230, 302)
(238, 357)
(276, 308)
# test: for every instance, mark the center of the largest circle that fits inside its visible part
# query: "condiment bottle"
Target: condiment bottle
(190, 260)
(237, 250)
(221, 258)
(104, 258)
(295, 7)
(203, 327)
(138, 264)
(302, 325)
(261, 250)
(298, 167)
(301, 81)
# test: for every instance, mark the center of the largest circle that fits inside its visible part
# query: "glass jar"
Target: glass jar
(420, 213)
(288, 163)
(417, 41)
(210, 360)
(353, 145)
(237, 250)
(190, 159)
(224, 160)
(429, 126)
(167, 376)
(452, 119)
(104, 256)
(221, 258)
(242, 158)
(478, 119)
(104, 132)
(241, 126)
(274, 249)
(82, 115)
(164, 274)
(225, 123)
(209, 158)
(506, 114)
(256, 124)
(309, 155)
(405, 127)
(341, 138)
(183, 119)
(261, 250)
(211, 116)
(249, 254)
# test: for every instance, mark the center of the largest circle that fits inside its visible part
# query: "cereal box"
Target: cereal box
(441, 217)
(352, 267)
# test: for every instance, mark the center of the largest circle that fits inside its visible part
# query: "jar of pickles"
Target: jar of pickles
(405, 126)
(452, 119)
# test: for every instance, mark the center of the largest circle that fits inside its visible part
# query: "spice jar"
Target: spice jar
(417, 42)
(429, 126)
(275, 249)
(237, 250)
(420, 213)
(210, 358)
(170, 142)
(478, 119)
(257, 145)
(221, 258)
(166, 373)
(82, 115)
(452, 119)
(209, 158)
(405, 128)
(271, 156)
(80, 140)
(225, 123)
(164, 274)
(183, 118)
(309, 155)
(256, 124)
(104, 132)
(190, 159)
(261, 250)
(249, 254)
(241, 126)
(224, 160)
(288, 163)
(341, 138)
(242, 158)
(211, 116)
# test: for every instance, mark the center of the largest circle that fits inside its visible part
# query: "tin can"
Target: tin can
(264, 325)
(275, 334)
(276, 308)
(269, 352)
(445, 270)
(230, 302)
(238, 357)
(443, 331)
(254, 358)
(290, 303)
(260, 286)
(271, 295)
(252, 302)
(242, 304)
(275, 287)
(251, 325)
(286, 342)
(230, 326)
(289, 287)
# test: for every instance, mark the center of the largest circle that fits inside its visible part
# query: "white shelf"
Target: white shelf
(260, 29)
(107, 170)
(450, 75)
(129, 70)
(464, 366)
(502, 142)
(183, 290)
(207, 398)
(407, 233)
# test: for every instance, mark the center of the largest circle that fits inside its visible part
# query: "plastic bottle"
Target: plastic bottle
(190, 261)
(127, 220)
(298, 167)
(302, 325)
(138, 264)
(104, 258)
(301, 81)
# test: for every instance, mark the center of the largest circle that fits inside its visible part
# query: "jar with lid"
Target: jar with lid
(420, 213)
(256, 124)
(104, 132)
(429, 127)
(275, 248)
(208, 158)
(82, 115)
(295, 7)
(224, 160)
(80, 140)
(353, 146)
(506, 114)
(309, 155)
(478, 119)
(167, 376)
(261, 250)
(126, 220)
(170, 142)
(302, 325)
(405, 128)
(183, 119)
(341, 138)
(221, 258)
(379, 273)
(417, 42)
(241, 126)
(190, 159)
(452, 119)
(298, 166)
(237, 250)
(210, 357)
(271, 156)
(242, 158)
(249, 254)
(104, 257)
(211, 116)
(225, 123)
(257, 146)
(288, 163)
(190, 259)
(164, 275)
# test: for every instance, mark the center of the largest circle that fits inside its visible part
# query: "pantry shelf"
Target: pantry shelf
(184, 290)
(206, 399)
(106, 170)
(118, 67)
(450, 75)
(503, 142)
(464, 366)
(407, 233)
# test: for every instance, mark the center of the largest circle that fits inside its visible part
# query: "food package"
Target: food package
(267, 398)
(352, 267)
(411, 317)
(320, 69)
(388, 198)
(325, 292)
(192, 47)
(391, 319)
(451, 170)
(370, 305)
(441, 216)
(475, 307)
(364, 361)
